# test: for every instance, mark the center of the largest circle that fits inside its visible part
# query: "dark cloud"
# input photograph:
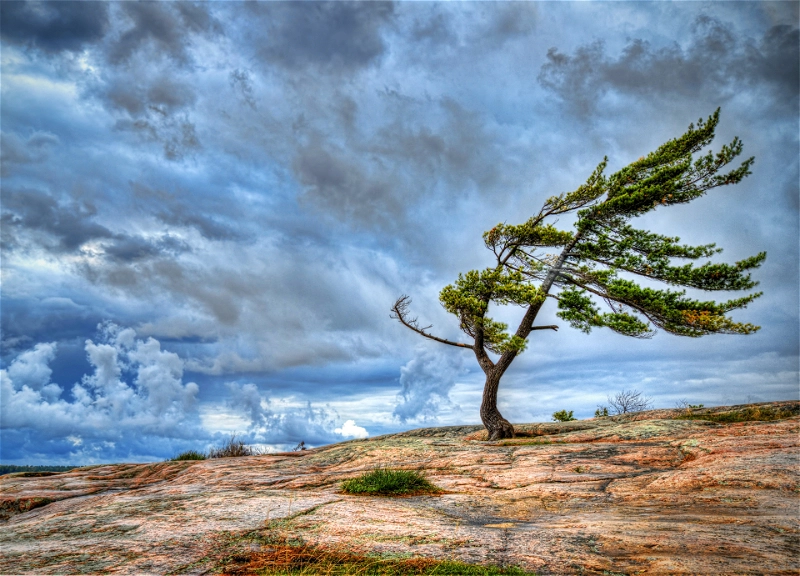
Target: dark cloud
(176, 134)
(776, 60)
(71, 225)
(27, 321)
(213, 218)
(511, 20)
(166, 28)
(240, 81)
(341, 186)
(378, 179)
(15, 150)
(433, 29)
(458, 149)
(716, 61)
(163, 94)
(327, 35)
(128, 249)
(68, 227)
(53, 26)
(440, 29)
(206, 225)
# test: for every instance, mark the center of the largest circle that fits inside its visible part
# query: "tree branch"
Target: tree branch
(400, 312)
(551, 327)
(608, 299)
(526, 325)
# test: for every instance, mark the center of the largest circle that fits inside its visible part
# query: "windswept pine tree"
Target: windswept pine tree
(591, 270)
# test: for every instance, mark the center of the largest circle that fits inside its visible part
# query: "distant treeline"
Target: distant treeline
(8, 468)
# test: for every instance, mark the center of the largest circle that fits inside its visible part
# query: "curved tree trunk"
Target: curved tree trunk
(497, 426)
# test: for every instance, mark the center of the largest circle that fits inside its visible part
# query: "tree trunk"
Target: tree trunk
(497, 426)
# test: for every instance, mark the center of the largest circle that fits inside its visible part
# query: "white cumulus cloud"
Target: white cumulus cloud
(135, 394)
(350, 430)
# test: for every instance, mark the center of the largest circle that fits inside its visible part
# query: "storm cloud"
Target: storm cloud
(237, 193)
(53, 26)
(716, 60)
(330, 36)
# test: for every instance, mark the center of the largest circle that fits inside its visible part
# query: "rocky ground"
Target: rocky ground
(648, 494)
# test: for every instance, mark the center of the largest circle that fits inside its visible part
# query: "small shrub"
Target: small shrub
(684, 405)
(189, 455)
(563, 416)
(630, 401)
(389, 482)
(601, 412)
(233, 449)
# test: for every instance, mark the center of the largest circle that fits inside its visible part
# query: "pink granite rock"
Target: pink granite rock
(646, 494)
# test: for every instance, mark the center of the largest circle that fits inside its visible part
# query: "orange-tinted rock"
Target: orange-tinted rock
(647, 494)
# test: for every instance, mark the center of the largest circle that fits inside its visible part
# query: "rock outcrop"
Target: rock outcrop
(647, 494)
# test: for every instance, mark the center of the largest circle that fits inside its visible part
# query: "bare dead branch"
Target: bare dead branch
(400, 312)
(630, 401)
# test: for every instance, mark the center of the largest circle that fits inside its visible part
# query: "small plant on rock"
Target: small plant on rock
(389, 482)
(563, 416)
(601, 412)
(190, 455)
(233, 448)
(629, 401)
(684, 405)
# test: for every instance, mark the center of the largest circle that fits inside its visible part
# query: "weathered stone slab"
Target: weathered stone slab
(647, 494)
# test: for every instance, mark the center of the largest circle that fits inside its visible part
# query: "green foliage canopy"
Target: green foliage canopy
(600, 259)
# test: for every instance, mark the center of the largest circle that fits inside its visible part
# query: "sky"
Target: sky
(208, 210)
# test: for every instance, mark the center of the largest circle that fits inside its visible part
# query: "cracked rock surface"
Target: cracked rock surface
(647, 494)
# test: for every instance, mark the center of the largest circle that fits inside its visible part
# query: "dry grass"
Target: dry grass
(233, 448)
(304, 560)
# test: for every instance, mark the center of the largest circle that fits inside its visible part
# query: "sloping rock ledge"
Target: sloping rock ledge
(647, 494)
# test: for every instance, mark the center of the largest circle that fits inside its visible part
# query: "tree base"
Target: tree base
(500, 429)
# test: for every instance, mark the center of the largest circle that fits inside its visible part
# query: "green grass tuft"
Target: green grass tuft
(189, 455)
(389, 482)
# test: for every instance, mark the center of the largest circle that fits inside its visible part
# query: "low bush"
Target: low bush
(233, 448)
(189, 455)
(389, 482)
(563, 416)
(684, 405)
